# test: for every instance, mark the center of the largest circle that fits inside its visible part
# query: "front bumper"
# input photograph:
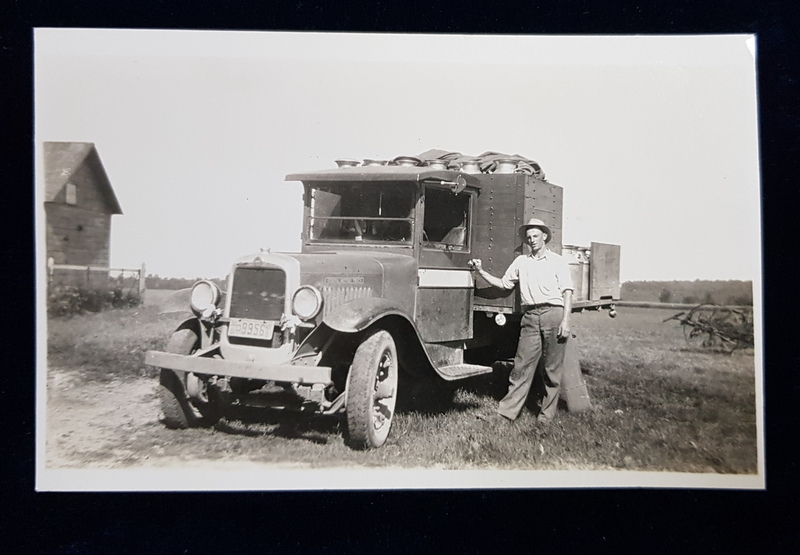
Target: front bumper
(236, 369)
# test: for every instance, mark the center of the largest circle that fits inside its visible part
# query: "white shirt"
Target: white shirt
(541, 280)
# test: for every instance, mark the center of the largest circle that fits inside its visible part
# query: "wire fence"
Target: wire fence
(126, 281)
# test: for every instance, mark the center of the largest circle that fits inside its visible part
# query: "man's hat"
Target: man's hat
(533, 222)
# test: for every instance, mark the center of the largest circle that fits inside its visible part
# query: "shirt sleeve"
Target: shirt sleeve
(564, 276)
(511, 277)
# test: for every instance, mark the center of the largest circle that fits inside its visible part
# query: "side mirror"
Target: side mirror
(458, 185)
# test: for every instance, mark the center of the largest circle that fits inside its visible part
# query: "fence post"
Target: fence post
(142, 283)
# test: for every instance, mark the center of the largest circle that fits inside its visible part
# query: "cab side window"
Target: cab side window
(447, 220)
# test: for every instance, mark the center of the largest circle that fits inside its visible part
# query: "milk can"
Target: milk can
(505, 165)
(470, 166)
(436, 164)
(578, 270)
(406, 161)
(587, 264)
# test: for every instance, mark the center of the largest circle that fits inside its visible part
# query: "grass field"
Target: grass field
(658, 404)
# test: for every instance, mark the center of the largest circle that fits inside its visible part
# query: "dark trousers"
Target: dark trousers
(538, 338)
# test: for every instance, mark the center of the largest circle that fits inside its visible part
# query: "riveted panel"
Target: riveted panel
(444, 314)
(545, 201)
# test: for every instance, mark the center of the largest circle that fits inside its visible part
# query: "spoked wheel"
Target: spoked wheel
(372, 391)
(185, 399)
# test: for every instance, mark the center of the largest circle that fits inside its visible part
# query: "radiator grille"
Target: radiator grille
(336, 296)
(258, 293)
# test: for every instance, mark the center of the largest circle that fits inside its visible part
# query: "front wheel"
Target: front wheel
(175, 388)
(372, 391)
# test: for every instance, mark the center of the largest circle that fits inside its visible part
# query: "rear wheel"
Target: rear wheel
(176, 387)
(372, 391)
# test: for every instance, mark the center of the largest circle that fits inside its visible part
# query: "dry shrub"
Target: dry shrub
(68, 300)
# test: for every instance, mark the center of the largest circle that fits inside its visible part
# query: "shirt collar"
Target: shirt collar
(545, 252)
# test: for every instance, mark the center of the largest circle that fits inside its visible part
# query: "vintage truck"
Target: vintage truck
(380, 303)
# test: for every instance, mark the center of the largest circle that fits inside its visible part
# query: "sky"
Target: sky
(654, 139)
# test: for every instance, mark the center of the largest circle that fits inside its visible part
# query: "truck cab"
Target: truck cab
(379, 304)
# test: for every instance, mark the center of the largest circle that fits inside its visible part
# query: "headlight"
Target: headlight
(307, 302)
(205, 295)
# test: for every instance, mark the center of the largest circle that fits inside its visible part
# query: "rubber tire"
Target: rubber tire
(178, 411)
(377, 350)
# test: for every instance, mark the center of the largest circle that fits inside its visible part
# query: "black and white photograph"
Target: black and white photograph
(343, 261)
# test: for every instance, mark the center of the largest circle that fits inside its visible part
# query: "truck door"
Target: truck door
(445, 285)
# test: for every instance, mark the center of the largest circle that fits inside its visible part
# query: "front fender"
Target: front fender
(190, 324)
(359, 314)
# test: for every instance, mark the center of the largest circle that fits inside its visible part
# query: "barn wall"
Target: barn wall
(76, 235)
(87, 176)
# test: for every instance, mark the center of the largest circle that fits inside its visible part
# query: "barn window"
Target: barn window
(72, 193)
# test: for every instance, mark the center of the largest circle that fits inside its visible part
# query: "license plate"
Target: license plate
(243, 327)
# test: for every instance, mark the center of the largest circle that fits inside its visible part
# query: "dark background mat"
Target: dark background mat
(656, 521)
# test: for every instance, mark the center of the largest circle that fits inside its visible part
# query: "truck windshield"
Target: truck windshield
(361, 212)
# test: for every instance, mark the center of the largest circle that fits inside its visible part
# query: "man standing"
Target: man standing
(545, 288)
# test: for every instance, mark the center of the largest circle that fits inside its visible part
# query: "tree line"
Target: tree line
(721, 292)
(154, 281)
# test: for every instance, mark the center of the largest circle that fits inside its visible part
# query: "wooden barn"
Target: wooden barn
(79, 203)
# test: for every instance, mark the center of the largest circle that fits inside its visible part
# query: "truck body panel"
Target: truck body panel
(506, 202)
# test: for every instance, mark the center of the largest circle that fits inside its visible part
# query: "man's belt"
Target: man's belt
(527, 307)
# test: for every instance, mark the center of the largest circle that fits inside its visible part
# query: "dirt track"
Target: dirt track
(96, 423)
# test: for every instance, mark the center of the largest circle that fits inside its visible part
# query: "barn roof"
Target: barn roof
(62, 160)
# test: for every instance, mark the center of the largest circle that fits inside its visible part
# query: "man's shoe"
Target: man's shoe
(543, 420)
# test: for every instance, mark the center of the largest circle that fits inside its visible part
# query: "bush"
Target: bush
(68, 300)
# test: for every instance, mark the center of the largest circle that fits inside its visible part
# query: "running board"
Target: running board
(460, 371)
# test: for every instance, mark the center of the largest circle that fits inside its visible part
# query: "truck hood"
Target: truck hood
(347, 275)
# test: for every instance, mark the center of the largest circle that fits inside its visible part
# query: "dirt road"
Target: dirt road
(96, 422)
(99, 423)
